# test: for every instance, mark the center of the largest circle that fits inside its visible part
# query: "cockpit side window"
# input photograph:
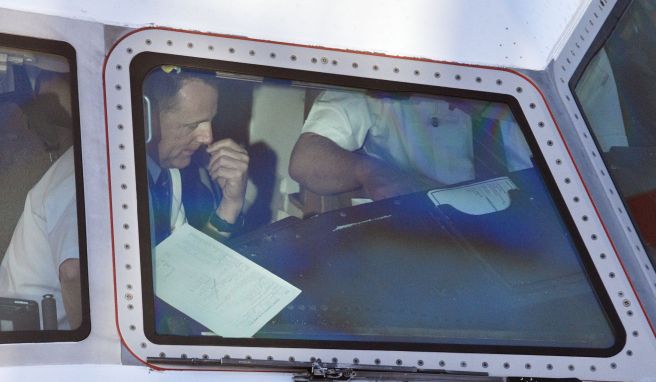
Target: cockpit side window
(616, 94)
(283, 208)
(43, 288)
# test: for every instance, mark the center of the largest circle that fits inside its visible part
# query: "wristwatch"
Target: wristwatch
(222, 225)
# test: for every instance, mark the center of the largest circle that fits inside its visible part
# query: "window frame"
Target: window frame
(606, 32)
(543, 127)
(67, 51)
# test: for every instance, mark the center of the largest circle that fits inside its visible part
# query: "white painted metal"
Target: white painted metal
(629, 249)
(102, 345)
(104, 373)
(512, 33)
(623, 366)
(461, 31)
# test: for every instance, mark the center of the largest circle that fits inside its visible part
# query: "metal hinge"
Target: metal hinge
(320, 371)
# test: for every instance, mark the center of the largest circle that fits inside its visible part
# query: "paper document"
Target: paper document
(477, 198)
(216, 286)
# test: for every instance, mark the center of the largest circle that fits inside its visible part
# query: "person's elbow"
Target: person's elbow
(300, 163)
(69, 271)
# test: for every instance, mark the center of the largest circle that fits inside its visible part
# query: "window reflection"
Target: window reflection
(401, 217)
(616, 95)
(39, 274)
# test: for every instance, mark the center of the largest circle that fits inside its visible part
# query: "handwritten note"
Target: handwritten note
(216, 286)
(477, 198)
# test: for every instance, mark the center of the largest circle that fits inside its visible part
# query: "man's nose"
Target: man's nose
(204, 133)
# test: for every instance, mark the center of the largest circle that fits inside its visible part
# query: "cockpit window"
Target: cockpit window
(617, 99)
(284, 208)
(41, 282)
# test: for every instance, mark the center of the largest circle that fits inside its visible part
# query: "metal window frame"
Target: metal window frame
(539, 117)
(67, 51)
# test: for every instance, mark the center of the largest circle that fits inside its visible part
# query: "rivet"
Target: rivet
(190, 45)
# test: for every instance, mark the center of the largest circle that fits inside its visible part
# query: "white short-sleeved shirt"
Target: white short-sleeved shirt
(420, 135)
(45, 236)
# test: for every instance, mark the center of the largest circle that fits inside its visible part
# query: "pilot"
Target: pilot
(182, 187)
(43, 255)
(183, 103)
(387, 145)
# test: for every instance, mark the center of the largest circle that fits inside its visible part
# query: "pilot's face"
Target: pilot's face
(187, 124)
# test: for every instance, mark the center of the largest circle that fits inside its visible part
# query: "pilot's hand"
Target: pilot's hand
(228, 167)
(381, 181)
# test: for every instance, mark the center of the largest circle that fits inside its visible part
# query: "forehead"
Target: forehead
(195, 96)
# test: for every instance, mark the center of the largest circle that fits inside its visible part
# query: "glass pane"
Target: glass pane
(40, 273)
(402, 218)
(616, 95)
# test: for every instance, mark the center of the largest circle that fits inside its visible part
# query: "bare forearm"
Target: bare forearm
(323, 167)
(69, 277)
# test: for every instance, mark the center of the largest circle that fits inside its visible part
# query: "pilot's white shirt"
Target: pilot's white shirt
(417, 134)
(45, 236)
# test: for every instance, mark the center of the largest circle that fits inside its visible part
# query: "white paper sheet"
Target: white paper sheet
(216, 286)
(477, 198)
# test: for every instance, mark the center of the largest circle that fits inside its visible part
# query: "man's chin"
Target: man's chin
(181, 162)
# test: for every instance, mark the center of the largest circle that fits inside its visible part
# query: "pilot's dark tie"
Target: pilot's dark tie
(161, 199)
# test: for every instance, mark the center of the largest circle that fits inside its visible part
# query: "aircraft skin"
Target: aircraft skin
(526, 52)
